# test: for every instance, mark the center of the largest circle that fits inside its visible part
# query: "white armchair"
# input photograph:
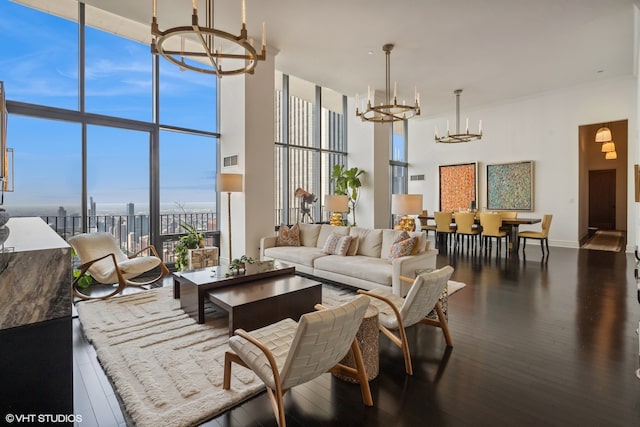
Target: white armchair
(102, 257)
(290, 353)
(397, 313)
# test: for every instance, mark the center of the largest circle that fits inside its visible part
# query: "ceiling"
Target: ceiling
(496, 50)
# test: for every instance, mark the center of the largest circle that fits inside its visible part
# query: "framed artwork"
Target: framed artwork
(458, 186)
(510, 186)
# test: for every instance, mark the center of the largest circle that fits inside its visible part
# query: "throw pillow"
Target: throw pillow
(336, 245)
(353, 246)
(402, 246)
(288, 236)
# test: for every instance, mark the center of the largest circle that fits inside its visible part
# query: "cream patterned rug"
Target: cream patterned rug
(166, 368)
(604, 240)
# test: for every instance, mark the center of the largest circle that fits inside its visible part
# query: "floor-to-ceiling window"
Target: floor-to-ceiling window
(398, 164)
(310, 140)
(127, 141)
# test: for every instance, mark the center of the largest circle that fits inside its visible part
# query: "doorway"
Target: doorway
(602, 199)
(602, 182)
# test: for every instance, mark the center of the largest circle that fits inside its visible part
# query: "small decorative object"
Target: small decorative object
(256, 267)
(239, 264)
(305, 198)
(4, 217)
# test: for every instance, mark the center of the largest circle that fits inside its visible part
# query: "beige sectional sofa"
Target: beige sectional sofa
(366, 265)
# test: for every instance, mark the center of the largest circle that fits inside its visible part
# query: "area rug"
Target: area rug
(165, 367)
(603, 240)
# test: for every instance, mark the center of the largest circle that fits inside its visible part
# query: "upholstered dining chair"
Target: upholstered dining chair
(101, 256)
(491, 224)
(465, 226)
(396, 313)
(443, 225)
(288, 353)
(425, 225)
(542, 235)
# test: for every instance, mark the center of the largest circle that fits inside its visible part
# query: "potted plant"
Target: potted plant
(238, 264)
(192, 240)
(347, 182)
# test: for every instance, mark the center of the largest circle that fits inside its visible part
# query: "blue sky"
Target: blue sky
(39, 65)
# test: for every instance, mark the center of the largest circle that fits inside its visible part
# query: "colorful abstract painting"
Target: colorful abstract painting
(458, 186)
(510, 186)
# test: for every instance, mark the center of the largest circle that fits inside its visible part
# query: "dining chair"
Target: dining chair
(465, 226)
(396, 313)
(509, 214)
(101, 256)
(542, 235)
(444, 221)
(289, 353)
(425, 225)
(491, 224)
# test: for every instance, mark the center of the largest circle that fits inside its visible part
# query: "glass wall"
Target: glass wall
(88, 150)
(310, 139)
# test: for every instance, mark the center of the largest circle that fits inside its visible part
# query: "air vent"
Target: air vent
(417, 177)
(230, 161)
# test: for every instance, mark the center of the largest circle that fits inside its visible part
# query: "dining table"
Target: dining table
(510, 224)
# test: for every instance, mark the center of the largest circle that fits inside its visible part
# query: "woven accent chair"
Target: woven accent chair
(491, 224)
(102, 257)
(288, 353)
(465, 227)
(542, 235)
(396, 313)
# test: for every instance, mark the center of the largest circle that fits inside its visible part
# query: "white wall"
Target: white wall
(542, 128)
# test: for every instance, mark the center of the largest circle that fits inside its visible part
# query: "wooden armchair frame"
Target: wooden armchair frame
(401, 339)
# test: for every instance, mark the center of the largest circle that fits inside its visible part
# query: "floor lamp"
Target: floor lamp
(229, 183)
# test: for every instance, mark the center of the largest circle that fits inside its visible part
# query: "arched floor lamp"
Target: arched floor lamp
(229, 183)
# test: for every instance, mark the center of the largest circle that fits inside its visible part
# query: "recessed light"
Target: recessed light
(370, 52)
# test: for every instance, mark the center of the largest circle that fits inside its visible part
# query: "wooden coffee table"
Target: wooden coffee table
(192, 288)
(259, 303)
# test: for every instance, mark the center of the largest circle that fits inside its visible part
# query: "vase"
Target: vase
(4, 217)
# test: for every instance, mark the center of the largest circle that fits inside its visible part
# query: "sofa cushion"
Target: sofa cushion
(326, 230)
(309, 234)
(337, 245)
(288, 236)
(301, 255)
(367, 268)
(369, 241)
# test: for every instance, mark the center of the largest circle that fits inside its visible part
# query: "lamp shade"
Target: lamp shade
(406, 204)
(607, 147)
(611, 155)
(603, 134)
(229, 182)
(336, 203)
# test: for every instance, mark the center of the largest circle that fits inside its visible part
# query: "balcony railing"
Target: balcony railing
(132, 231)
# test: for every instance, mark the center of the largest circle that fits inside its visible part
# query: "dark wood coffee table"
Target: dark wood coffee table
(192, 286)
(259, 303)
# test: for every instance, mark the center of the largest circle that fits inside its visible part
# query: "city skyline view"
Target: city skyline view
(118, 83)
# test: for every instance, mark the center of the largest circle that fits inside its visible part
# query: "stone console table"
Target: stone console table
(36, 358)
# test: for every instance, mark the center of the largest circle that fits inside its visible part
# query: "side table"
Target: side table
(368, 337)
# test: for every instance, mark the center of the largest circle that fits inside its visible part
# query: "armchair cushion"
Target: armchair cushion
(135, 266)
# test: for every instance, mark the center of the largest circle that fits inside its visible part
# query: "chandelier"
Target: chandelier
(450, 138)
(390, 111)
(205, 49)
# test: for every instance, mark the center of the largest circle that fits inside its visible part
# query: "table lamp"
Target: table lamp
(336, 204)
(405, 205)
(229, 183)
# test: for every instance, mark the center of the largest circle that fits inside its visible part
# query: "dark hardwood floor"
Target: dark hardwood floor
(535, 343)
